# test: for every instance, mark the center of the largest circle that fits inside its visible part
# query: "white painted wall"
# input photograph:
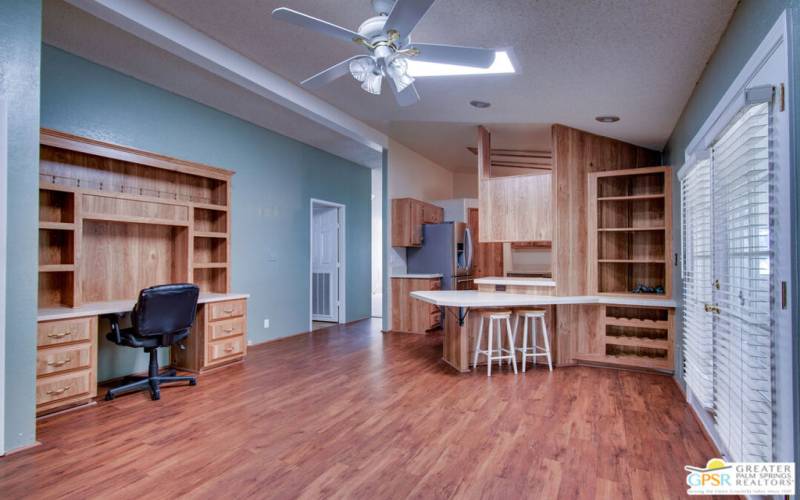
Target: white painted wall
(411, 175)
(465, 185)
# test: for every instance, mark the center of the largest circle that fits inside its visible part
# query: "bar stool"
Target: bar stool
(497, 354)
(534, 316)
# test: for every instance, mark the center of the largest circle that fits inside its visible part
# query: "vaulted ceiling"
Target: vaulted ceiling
(638, 59)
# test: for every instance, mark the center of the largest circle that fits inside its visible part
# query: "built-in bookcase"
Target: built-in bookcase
(630, 226)
(113, 220)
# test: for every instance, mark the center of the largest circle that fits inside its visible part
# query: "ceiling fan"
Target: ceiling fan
(386, 38)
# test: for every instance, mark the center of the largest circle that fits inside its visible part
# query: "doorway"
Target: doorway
(327, 256)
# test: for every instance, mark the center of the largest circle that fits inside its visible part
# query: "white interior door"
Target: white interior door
(325, 264)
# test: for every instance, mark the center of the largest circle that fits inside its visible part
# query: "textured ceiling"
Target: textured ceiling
(638, 59)
(75, 31)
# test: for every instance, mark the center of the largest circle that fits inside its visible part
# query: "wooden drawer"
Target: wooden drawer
(63, 331)
(63, 358)
(226, 328)
(224, 310)
(221, 350)
(65, 386)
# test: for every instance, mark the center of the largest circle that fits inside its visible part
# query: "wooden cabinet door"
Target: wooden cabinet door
(488, 257)
(431, 214)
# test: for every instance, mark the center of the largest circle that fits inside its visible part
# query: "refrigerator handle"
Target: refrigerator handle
(468, 249)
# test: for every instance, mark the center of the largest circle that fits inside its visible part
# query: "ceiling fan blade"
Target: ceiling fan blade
(407, 97)
(327, 76)
(406, 14)
(453, 54)
(312, 23)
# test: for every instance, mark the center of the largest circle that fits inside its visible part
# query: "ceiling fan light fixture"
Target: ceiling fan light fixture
(397, 70)
(361, 68)
(372, 83)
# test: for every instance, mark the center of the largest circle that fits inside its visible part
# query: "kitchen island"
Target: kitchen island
(612, 330)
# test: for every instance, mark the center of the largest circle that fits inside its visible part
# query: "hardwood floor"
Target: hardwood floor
(349, 412)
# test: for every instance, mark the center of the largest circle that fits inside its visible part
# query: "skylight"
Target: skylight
(502, 64)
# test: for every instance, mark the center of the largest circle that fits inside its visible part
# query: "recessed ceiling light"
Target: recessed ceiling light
(607, 119)
(502, 64)
(480, 104)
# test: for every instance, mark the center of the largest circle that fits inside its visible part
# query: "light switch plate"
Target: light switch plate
(266, 323)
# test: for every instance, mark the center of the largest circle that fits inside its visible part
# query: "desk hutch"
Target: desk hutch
(114, 220)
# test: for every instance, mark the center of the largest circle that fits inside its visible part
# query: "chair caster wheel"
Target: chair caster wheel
(193, 382)
(156, 396)
(109, 396)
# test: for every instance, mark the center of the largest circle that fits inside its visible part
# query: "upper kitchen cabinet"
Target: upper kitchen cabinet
(512, 208)
(408, 216)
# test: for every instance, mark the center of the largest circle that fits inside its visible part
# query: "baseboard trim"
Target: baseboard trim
(20, 449)
(697, 419)
(293, 335)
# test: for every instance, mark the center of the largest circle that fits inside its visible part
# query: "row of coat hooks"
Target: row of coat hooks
(120, 188)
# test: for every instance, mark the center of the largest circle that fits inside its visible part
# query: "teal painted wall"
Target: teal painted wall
(275, 179)
(20, 47)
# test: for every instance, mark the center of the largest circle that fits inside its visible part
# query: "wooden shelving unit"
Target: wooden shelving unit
(630, 225)
(114, 220)
(635, 337)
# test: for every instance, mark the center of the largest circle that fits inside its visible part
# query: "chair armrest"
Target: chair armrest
(114, 319)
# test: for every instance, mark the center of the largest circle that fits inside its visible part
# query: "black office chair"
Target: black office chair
(162, 316)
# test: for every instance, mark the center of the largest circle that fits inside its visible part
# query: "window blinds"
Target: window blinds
(728, 358)
(742, 348)
(697, 277)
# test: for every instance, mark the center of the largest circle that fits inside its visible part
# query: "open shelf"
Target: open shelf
(60, 226)
(209, 234)
(208, 250)
(211, 280)
(632, 184)
(632, 197)
(56, 247)
(210, 221)
(56, 289)
(210, 265)
(56, 206)
(630, 226)
(630, 229)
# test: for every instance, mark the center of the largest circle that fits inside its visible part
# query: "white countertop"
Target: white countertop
(116, 306)
(516, 281)
(474, 299)
(417, 276)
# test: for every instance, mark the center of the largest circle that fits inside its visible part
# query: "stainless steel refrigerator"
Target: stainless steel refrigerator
(447, 250)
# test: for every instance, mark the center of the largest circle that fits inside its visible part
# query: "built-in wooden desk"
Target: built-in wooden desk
(66, 361)
(112, 221)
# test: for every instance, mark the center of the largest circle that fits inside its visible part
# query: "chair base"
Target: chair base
(151, 382)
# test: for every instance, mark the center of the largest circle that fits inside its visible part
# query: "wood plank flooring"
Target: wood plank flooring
(349, 412)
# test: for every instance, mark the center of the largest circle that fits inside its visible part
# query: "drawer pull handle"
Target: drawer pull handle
(228, 330)
(59, 335)
(59, 391)
(229, 348)
(227, 310)
(59, 363)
